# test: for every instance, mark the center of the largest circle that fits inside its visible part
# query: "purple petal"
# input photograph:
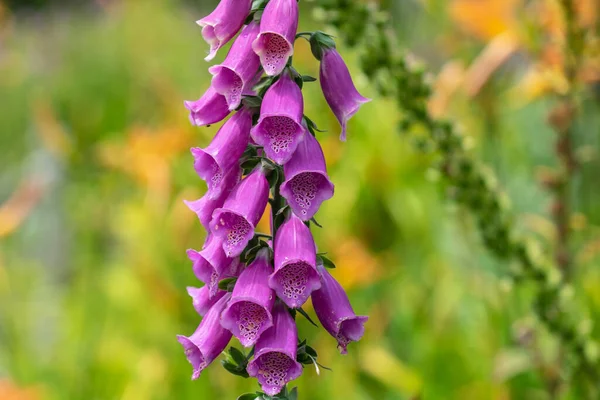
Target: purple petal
(279, 129)
(275, 43)
(307, 184)
(248, 314)
(201, 298)
(234, 223)
(338, 88)
(209, 109)
(209, 339)
(211, 264)
(220, 26)
(274, 363)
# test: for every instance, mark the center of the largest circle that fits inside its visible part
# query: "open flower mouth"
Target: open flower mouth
(306, 191)
(207, 168)
(194, 356)
(228, 83)
(235, 231)
(280, 136)
(247, 321)
(294, 282)
(275, 369)
(274, 51)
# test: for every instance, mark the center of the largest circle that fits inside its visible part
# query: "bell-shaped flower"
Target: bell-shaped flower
(248, 314)
(333, 309)
(274, 363)
(206, 205)
(239, 68)
(307, 184)
(220, 26)
(279, 129)
(209, 109)
(209, 340)
(224, 152)
(202, 300)
(275, 43)
(234, 223)
(338, 88)
(295, 276)
(211, 264)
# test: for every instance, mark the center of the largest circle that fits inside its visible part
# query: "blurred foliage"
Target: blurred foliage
(94, 167)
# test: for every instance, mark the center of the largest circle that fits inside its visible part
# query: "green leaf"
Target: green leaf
(238, 356)
(327, 263)
(249, 396)
(305, 315)
(293, 394)
(234, 369)
(314, 221)
(310, 351)
(252, 101)
(227, 284)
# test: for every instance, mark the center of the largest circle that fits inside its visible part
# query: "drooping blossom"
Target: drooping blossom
(234, 223)
(274, 363)
(335, 312)
(209, 339)
(222, 154)
(248, 314)
(279, 129)
(307, 184)
(275, 43)
(295, 275)
(220, 26)
(211, 264)
(239, 68)
(202, 300)
(209, 109)
(206, 205)
(338, 88)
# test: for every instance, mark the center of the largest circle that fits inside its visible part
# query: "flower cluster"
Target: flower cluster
(265, 153)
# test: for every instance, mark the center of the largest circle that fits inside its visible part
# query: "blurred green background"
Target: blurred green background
(94, 165)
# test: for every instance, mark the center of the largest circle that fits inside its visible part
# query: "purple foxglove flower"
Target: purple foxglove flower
(295, 275)
(307, 184)
(206, 205)
(248, 314)
(338, 88)
(209, 109)
(333, 309)
(224, 152)
(239, 68)
(275, 43)
(274, 363)
(209, 340)
(279, 129)
(211, 264)
(234, 223)
(201, 298)
(220, 26)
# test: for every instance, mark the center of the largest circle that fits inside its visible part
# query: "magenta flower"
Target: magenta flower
(202, 300)
(295, 275)
(279, 129)
(206, 205)
(338, 88)
(275, 43)
(239, 68)
(224, 152)
(333, 309)
(210, 265)
(234, 223)
(220, 26)
(307, 184)
(248, 314)
(274, 363)
(209, 109)
(209, 340)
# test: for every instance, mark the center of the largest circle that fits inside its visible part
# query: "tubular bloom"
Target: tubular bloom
(209, 109)
(279, 129)
(220, 26)
(248, 314)
(239, 68)
(295, 275)
(307, 184)
(234, 223)
(215, 161)
(335, 312)
(266, 152)
(274, 362)
(209, 340)
(338, 88)
(275, 43)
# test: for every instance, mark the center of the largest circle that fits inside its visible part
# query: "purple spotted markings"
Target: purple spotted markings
(230, 85)
(237, 229)
(280, 131)
(273, 369)
(293, 279)
(304, 188)
(217, 175)
(251, 321)
(277, 51)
